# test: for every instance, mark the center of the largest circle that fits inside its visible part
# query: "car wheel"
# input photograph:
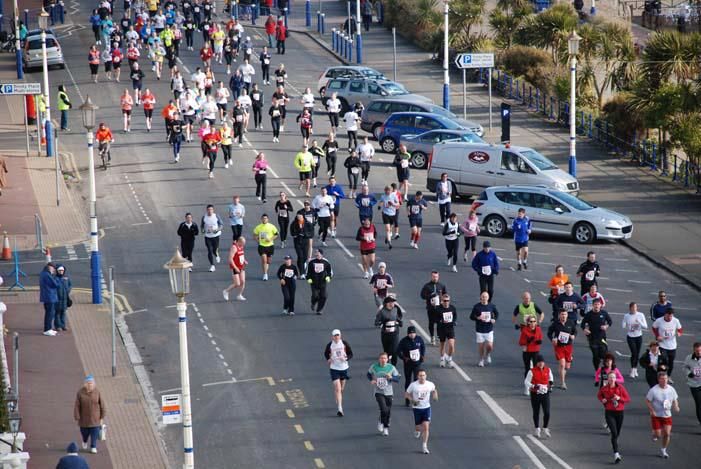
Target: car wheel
(376, 131)
(388, 145)
(419, 160)
(584, 233)
(495, 225)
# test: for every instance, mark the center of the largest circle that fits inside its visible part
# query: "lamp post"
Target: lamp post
(446, 71)
(573, 48)
(358, 39)
(88, 110)
(18, 44)
(48, 131)
(14, 418)
(593, 8)
(179, 272)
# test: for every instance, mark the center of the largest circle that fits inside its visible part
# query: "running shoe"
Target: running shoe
(225, 294)
(380, 427)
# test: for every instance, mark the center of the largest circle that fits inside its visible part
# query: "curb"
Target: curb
(662, 265)
(314, 38)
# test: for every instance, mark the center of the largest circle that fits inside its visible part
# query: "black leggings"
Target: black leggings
(352, 137)
(487, 284)
(614, 420)
(324, 224)
(696, 394)
(333, 119)
(260, 185)
(432, 322)
(444, 210)
(226, 151)
(257, 117)
(670, 354)
(385, 403)
(538, 401)
(212, 245)
(275, 123)
(411, 372)
(331, 162)
(598, 352)
(238, 132)
(283, 225)
(212, 155)
(266, 72)
(236, 231)
(319, 296)
(470, 243)
(451, 246)
(634, 343)
(527, 358)
(352, 180)
(301, 251)
(390, 341)
(365, 170)
(288, 295)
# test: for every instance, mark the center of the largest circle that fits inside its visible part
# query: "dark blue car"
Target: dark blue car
(412, 123)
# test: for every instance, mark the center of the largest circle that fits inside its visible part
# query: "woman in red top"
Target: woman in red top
(539, 382)
(614, 398)
(530, 340)
(149, 102)
(126, 103)
(367, 233)
(94, 61)
(270, 30)
(237, 264)
(206, 54)
(117, 58)
(211, 142)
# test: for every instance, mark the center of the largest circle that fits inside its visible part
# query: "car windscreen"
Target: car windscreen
(572, 201)
(540, 162)
(441, 111)
(472, 138)
(394, 89)
(448, 124)
(372, 74)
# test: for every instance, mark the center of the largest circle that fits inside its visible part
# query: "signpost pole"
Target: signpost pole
(394, 54)
(490, 99)
(464, 94)
(40, 117)
(26, 124)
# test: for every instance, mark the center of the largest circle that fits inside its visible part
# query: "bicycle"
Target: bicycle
(8, 43)
(104, 152)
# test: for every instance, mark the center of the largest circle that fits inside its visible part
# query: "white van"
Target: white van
(472, 167)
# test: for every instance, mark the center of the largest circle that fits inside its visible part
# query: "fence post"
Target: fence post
(663, 160)
(653, 163)
(537, 100)
(589, 133)
(523, 92)
(511, 87)
(686, 173)
(323, 24)
(674, 177)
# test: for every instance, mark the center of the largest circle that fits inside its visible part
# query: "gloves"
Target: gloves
(309, 281)
(328, 279)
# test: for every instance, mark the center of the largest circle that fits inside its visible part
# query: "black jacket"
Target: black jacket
(595, 321)
(188, 234)
(406, 345)
(430, 290)
(306, 231)
(318, 278)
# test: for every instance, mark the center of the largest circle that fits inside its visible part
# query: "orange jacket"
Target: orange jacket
(103, 135)
(169, 111)
(149, 100)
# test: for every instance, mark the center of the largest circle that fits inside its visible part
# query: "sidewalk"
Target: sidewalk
(51, 372)
(666, 216)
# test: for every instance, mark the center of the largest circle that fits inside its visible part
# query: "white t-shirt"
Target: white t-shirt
(308, 100)
(351, 120)
(334, 105)
(634, 324)
(319, 203)
(421, 394)
(366, 151)
(245, 101)
(209, 110)
(222, 95)
(211, 226)
(247, 71)
(668, 332)
(339, 360)
(662, 400)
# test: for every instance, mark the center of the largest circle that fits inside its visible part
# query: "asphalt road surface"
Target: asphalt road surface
(261, 390)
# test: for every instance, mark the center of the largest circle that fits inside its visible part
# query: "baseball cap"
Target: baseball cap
(336, 332)
(288, 257)
(486, 244)
(411, 330)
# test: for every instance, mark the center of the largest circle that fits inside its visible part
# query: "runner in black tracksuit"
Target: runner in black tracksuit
(431, 293)
(319, 273)
(411, 350)
(389, 319)
(288, 274)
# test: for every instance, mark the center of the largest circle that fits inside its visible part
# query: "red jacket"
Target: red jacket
(281, 31)
(531, 339)
(270, 25)
(367, 237)
(607, 392)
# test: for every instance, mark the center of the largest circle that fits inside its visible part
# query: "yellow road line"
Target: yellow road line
(299, 429)
(319, 463)
(290, 414)
(308, 444)
(280, 397)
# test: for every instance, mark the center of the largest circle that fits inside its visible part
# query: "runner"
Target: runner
(126, 103)
(257, 106)
(526, 308)
(275, 113)
(484, 314)
(188, 231)
(260, 175)
(451, 234)
(401, 162)
(176, 135)
(225, 135)
(595, 323)
(365, 201)
(419, 393)
(280, 75)
(521, 228)
(283, 208)
(661, 399)
(309, 215)
(607, 367)
(431, 293)
(366, 152)
(588, 271)
(411, 350)
(634, 324)
(389, 203)
(530, 340)
(319, 274)
(653, 362)
(351, 120)
(539, 381)
(333, 107)
(264, 59)
(367, 234)
(211, 227)
(415, 208)
(692, 368)
(282, 98)
(265, 233)
(486, 264)
(149, 101)
(317, 154)
(117, 58)
(557, 285)
(444, 193)
(381, 375)
(336, 191)
(303, 162)
(323, 204)
(237, 264)
(237, 212)
(589, 297)
(330, 147)
(562, 333)
(381, 282)
(106, 56)
(246, 104)
(389, 320)
(238, 116)
(570, 302)
(136, 76)
(658, 309)
(337, 354)
(210, 143)
(221, 97)
(352, 165)
(94, 62)
(288, 274)
(666, 329)
(470, 229)
(446, 318)
(614, 397)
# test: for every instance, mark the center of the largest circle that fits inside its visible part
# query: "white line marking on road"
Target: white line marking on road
(531, 455)
(624, 355)
(626, 270)
(456, 367)
(216, 383)
(209, 334)
(543, 293)
(618, 314)
(461, 372)
(287, 188)
(166, 391)
(550, 453)
(526, 280)
(272, 171)
(501, 414)
(640, 281)
(221, 356)
(620, 290)
(204, 326)
(545, 263)
(345, 249)
(226, 365)
(613, 340)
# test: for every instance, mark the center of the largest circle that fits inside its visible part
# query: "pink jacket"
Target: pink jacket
(260, 165)
(465, 227)
(619, 376)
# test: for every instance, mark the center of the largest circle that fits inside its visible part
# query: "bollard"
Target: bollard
(686, 180)
(308, 13)
(664, 161)
(323, 24)
(333, 39)
(61, 12)
(511, 87)
(653, 161)
(358, 49)
(350, 50)
(552, 105)
(530, 97)
(286, 13)
(589, 133)
(537, 100)
(523, 93)
(318, 22)
(674, 177)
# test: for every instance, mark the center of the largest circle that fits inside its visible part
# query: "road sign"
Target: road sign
(20, 88)
(170, 409)
(485, 60)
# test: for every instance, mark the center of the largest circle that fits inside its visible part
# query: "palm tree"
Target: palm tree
(507, 19)
(464, 14)
(670, 55)
(549, 29)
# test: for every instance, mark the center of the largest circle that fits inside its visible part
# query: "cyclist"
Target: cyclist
(104, 139)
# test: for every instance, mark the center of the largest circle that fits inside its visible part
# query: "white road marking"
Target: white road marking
(613, 340)
(461, 372)
(620, 290)
(531, 455)
(640, 281)
(287, 188)
(625, 270)
(345, 249)
(166, 391)
(624, 355)
(550, 453)
(501, 414)
(71, 253)
(526, 280)
(216, 383)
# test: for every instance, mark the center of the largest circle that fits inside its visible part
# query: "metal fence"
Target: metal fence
(646, 152)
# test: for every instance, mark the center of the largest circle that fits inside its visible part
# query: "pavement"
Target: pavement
(261, 394)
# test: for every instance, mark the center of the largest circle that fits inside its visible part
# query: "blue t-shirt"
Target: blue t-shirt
(521, 227)
(416, 207)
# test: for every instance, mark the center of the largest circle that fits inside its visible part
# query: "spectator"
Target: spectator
(64, 297)
(89, 411)
(48, 294)
(72, 460)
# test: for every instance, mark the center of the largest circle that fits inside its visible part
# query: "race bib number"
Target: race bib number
(435, 301)
(318, 268)
(239, 118)
(635, 327)
(279, 79)
(563, 337)
(487, 270)
(666, 404)
(404, 164)
(340, 354)
(590, 275)
(289, 273)
(381, 383)
(541, 389)
(249, 51)
(485, 316)
(697, 372)
(365, 202)
(266, 61)
(262, 171)
(448, 316)
(263, 236)
(256, 96)
(116, 59)
(355, 170)
(237, 213)
(242, 259)
(390, 326)
(380, 283)
(415, 209)
(422, 395)
(197, 9)
(276, 113)
(667, 333)
(415, 354)
(568, 305)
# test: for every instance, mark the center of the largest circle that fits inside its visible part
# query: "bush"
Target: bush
(617, 113)
(535, 66)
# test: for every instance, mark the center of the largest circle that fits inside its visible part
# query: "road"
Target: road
(261, 392)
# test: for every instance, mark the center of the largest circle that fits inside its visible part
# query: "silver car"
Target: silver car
(353, 90)
(551, 212)
(346, 71)
(32, 54)
(420, 146)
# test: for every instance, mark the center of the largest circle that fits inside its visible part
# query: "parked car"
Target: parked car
(353, 90)
(421, 145)
(551, 212)
(472, 167)
(377, 112)
(32, 56)
(346, 71)
(411, 123)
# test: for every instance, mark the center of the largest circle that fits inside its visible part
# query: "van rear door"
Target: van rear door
(477, 168)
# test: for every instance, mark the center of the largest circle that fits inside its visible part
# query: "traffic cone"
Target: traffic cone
(6, 251)
(48, 254)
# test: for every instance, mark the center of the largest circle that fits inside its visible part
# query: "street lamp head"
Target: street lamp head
(43, 20)
(15, 421)
(573, 43)
(88, 110)
(179, 271)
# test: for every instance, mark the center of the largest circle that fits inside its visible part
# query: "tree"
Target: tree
(671, 55)
(549, 29)
(463, 15)
(507, 19)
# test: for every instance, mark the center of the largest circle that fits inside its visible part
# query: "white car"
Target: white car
(32, 56)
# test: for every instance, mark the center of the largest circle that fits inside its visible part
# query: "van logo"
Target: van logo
(478, 157)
